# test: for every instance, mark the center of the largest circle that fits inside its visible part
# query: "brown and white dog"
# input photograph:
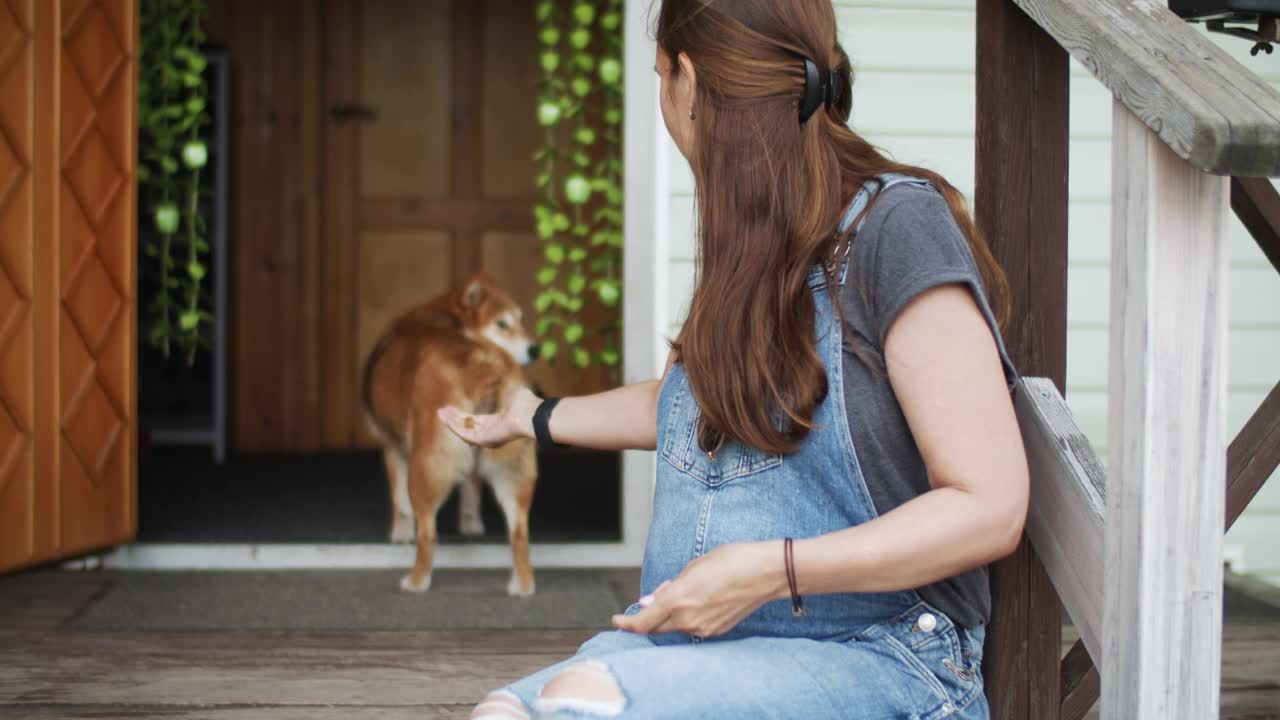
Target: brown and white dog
(464, 348)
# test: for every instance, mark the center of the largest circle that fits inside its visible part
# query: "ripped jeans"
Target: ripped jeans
(918, 665)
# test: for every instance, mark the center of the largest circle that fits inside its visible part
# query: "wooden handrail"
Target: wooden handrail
(1207, 107)
(1068, 503)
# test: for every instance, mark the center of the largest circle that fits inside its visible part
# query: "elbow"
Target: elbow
(1009, 519)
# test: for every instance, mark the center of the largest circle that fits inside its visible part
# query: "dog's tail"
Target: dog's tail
(366, 391)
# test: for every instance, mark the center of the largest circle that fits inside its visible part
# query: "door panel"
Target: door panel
(405, 79)
(67, 260)
(17, 260)
(96, 316)
(508, 132)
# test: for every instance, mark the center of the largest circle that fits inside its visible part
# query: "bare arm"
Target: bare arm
(947, 375)
(624, 418)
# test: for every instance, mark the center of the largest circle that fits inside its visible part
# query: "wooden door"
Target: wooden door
(441, 109)
(67, 260)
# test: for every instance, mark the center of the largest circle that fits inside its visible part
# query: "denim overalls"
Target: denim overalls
(859, 656)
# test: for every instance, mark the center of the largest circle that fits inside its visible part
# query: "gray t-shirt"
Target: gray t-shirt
(908, 243)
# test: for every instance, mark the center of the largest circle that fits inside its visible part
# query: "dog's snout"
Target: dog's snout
(534, 352)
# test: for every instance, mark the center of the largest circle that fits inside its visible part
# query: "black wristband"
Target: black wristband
(541, 417)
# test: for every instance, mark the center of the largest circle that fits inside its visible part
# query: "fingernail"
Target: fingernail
(646, 601)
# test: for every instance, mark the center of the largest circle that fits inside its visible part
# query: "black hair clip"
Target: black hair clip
(819, 90)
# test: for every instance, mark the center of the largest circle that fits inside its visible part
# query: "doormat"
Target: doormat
(349, 600)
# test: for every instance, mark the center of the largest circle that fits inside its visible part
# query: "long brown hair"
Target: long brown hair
(770, 194)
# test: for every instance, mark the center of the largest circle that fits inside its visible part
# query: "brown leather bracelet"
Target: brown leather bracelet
(797, 603)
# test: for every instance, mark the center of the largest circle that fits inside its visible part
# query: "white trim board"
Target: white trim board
(350, 556)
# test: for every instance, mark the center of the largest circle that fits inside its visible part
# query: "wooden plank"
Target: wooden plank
(1253, 455)
(1066, 519)
(1211, 110)
(260, 711)
(280, 668)
(1168, 388)
(1021, 207)
(1080, 683)
(340, 374)
(390, 213)
(1257, 204)
(466, 132)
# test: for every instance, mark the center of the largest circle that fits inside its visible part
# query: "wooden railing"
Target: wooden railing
(1135, 553)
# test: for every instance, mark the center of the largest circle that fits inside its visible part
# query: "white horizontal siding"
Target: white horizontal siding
(913, 96)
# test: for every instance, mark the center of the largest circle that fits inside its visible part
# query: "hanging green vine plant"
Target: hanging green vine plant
(579, 217)
(173, 99)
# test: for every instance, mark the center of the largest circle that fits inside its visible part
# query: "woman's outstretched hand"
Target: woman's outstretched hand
(714, 592)
(497, 429)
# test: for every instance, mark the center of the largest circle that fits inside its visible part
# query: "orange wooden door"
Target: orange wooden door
(67, 263)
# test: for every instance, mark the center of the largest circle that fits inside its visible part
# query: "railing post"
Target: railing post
(1020, 202)
(1162, 625)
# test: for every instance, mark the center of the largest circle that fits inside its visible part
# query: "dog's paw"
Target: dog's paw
(471, 525)
(402, 530)
(406, 584)
(516, 589)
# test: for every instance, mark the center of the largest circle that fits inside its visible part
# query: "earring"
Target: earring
(691, 115)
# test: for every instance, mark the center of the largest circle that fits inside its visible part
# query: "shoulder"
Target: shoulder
(907, 206)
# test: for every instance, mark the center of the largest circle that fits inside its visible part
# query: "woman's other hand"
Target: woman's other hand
(497, 429)
(714, 592)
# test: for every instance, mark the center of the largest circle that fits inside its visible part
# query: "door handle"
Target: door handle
(344, 112)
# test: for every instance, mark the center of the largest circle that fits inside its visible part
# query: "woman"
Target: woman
(838, 453)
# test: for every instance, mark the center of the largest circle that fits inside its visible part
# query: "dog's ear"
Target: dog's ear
(475, 292)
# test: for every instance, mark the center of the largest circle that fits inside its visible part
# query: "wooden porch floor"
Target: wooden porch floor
(48, 669)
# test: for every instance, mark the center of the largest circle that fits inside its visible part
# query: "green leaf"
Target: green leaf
(610, 356)
(560, 221)
(584, 13)
(546, 230)
(554, 252)
(581, 230)
(573, 305)
(581, 86)
(169, 164)
(544, 10)
(189, 320)
(549, 114)
(195, 105)
(580, 38)
(577, 282)
(585, 135)
(581, 357)
(578, 254)
(547, 351)
(542, 213)
(611, 71)
(195, 270)
(610, 21)
(573, 333)
(549, 36)
(609, 293)
(550, 60)
(612, 116)
(543, 301)
(581, 160)
(545, 323)
(585, 62)
(547, 275)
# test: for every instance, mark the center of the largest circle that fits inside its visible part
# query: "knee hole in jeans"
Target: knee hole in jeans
(588, 687)
(500, 705)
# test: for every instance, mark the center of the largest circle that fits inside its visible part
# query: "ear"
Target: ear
(475, 291)
(686, 83)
